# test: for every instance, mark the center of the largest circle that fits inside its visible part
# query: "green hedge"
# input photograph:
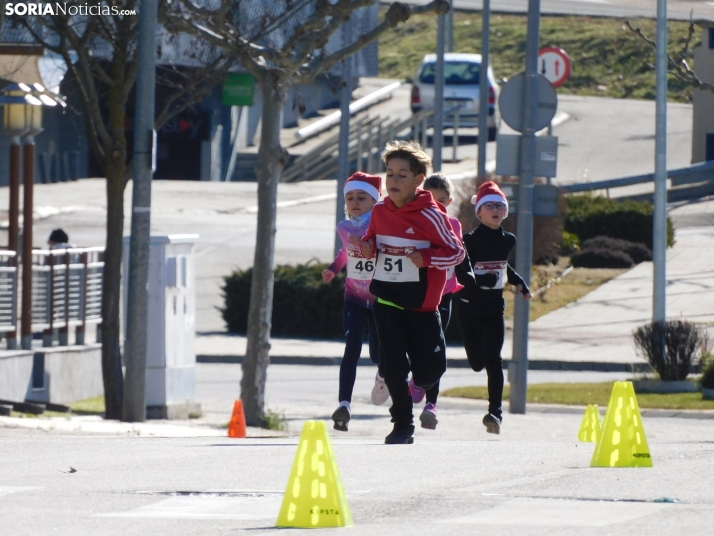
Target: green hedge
(303, 306)
(589, 216)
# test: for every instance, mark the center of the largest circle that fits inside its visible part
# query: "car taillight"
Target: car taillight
(415, 95)
(491, 96)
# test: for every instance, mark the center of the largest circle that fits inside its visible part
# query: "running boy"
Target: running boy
(361, 192)
(441, 190)
(480, 307)
(415, 245)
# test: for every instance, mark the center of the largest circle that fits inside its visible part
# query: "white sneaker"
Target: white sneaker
(380, 393)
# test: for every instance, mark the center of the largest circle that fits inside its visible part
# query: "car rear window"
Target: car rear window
(456, 73)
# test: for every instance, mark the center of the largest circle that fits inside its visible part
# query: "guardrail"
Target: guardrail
(689, 175)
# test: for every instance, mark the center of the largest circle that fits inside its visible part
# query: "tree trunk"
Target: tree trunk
(111, 294)
(271, 160)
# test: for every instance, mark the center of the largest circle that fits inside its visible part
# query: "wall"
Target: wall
(703, 101)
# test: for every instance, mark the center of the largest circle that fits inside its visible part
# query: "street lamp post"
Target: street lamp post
(14, 124)
(33, 115)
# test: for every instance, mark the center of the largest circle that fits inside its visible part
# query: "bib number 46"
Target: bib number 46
(367, 266)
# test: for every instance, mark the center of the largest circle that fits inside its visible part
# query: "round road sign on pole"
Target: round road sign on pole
(555, 65)
(510, 102)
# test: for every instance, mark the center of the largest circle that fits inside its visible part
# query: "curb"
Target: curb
(545, 364)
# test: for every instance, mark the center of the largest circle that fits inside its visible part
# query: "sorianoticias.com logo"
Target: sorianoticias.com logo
(63, 8)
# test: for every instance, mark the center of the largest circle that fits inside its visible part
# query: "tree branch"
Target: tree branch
(678, 67)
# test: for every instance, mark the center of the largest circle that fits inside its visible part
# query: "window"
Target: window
(710, 147)
(711, 38)
(456, 73)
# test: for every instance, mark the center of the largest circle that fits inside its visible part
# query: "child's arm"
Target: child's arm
(339, 263)
(446, 248)
(368, 240)
(517, 281)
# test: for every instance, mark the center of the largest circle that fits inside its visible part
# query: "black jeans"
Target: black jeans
(409, 340)
(355, 319)
(445, 313)
(483, 339)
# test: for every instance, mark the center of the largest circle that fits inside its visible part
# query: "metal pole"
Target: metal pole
(28, 187)
(484, 85)
(134, 409)
(13, 239)
(343, 162)
(518, 374)
(438, 138)
(449, 45)
(659, 231)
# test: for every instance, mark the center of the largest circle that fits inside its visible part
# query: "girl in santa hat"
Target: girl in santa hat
(362, 191)
(480, 307)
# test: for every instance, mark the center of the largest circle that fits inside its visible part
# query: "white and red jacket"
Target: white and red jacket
(396, 232)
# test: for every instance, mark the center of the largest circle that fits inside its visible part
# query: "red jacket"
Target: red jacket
(396, 232)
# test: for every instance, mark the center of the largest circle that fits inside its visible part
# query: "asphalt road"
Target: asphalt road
(677, 9)
(535, 478)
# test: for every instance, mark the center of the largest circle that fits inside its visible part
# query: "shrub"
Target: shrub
(637, 252)
(671, 346)
(303, 306)
(601, 258)
(707, 380)
(569, 243)
(589, 216)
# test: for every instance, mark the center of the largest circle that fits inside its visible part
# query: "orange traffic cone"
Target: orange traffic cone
(237, 426)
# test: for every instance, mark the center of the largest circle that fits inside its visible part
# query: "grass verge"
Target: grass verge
(572, 287)
(89, 406)
(608, 59)
(582, 394)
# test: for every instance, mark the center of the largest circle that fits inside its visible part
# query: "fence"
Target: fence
(66, 292)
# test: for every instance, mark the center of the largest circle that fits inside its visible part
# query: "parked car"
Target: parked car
(461, 89)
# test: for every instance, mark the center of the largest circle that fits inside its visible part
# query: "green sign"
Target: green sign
(238, 90)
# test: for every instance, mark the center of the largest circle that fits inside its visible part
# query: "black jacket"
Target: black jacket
(488, 250)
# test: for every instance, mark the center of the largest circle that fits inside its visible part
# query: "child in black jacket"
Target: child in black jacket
(480, 307)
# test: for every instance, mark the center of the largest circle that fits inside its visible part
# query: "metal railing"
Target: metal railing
(367, 138)
(8, 291)
(66, 291)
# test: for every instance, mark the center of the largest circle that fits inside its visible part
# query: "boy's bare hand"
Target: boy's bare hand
(328, 275)
(367, 249)
(354, 240)
(417, 259)
(527, 296)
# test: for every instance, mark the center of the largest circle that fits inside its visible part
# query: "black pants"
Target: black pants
(483, 339)
(355, 319)
(409, 340)
(445, 313)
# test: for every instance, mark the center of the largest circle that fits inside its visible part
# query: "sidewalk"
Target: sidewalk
(593, 333)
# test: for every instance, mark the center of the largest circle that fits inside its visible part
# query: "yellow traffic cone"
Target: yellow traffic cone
(623, 442)
(591, 427)
(315, 496)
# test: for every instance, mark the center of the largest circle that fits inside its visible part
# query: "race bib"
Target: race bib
(358, 267)
(496, 267)
(392, 262)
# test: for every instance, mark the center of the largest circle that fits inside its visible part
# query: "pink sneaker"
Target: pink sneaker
(428, 416)
(417, 392)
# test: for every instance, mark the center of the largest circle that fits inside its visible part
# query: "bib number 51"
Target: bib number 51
(390, 265)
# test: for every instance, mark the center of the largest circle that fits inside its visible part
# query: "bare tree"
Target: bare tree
(100, 52)
(281, 43)
(678, 65)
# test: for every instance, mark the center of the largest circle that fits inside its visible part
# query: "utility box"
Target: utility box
(171, 329)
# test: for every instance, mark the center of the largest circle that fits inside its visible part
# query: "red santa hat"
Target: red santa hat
(489, 192)
(372, 184)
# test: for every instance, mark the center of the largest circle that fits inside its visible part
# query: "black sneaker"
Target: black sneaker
(492, 424)
(341, 416)
(401, 435)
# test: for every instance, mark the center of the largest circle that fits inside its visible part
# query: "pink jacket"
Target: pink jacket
(452, 285)
(356, 290)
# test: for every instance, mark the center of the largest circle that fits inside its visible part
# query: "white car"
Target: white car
(461, 89)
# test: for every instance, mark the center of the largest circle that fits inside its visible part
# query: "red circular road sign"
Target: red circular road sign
(554, 64)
